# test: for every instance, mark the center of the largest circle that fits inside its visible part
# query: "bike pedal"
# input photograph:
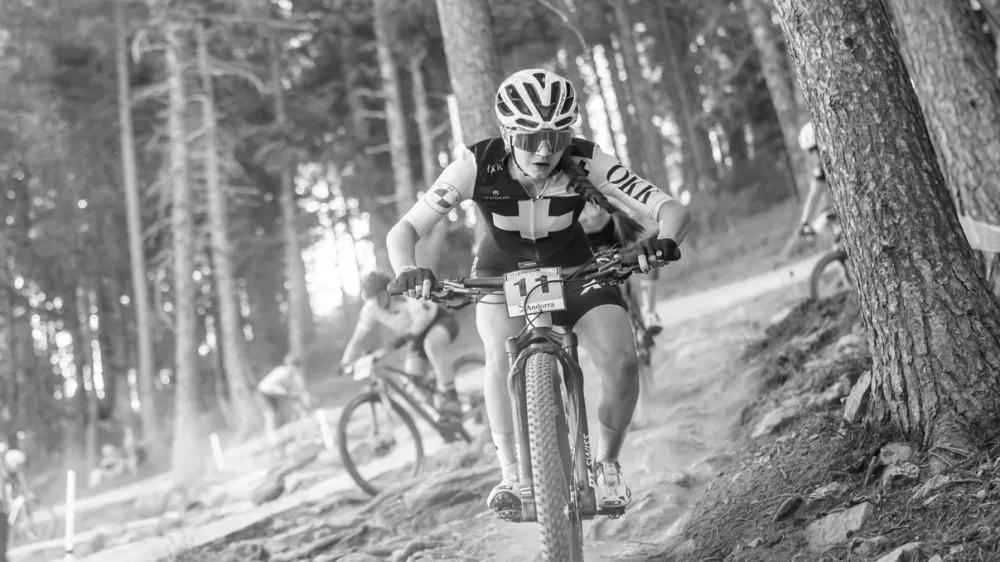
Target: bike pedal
(612, 512)
(509, 514)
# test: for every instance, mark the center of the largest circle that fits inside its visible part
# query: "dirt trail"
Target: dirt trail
(701, 390)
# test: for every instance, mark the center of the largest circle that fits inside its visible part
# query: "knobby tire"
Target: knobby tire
(551, 462)
(816, 277)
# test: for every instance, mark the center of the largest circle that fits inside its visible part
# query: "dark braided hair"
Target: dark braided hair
(627, 230)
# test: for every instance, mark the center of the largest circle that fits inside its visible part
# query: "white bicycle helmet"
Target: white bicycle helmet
(536, 99)
(807, 137)
(14, 459)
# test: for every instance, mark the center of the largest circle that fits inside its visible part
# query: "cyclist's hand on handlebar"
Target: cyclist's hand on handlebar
(416, 282)
(654, 252)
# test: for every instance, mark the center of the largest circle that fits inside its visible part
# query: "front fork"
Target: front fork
(582, 483)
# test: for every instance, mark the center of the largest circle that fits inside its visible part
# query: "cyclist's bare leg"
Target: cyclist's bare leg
(605, 332)
(435, 345)
(494, 328)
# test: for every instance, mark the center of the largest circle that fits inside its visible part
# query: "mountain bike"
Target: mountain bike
(362, 443)
(546, 388)
(825, 280)
(23, 521)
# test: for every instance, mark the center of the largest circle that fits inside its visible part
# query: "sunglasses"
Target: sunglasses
(558, 140)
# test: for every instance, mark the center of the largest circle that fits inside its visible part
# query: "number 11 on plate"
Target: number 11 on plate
(532, 291)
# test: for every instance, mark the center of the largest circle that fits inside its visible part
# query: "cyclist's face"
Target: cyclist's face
(540, 163)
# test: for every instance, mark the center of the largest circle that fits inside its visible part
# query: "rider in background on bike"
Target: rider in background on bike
(530, 185)
(818, 197)
(600, 229)
(285, 383)
(12, 484)
(428, 328)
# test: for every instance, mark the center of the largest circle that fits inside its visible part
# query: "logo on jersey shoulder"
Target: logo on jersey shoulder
(495, 167)
(630, 184)
(442, 197)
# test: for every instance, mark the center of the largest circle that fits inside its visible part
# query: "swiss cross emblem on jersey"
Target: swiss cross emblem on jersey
(442, 197)
(533, 220)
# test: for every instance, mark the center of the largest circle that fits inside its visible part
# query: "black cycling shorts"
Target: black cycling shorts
(444, 319)
(580, 297)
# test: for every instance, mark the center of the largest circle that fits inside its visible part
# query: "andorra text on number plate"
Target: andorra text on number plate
(531, 291)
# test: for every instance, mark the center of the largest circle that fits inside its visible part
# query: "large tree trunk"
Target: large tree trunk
(150, 414)
(299, 311)
(954, 73)
(230, 329)
(654, 162)
(395, 116)
(772, 65)
(188, 447)
(474, 68)
(931, 318)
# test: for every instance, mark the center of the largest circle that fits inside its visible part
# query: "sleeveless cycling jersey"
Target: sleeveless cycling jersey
(519, 227)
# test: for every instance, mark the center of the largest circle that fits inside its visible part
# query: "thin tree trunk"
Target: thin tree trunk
(772, 66)
(432, 248)
(84, 353)
(474, 68)
(395, 116)
(933, 324)
(187, 448)
(299, 315)
(230, 330)
(673, 79)
(148, 409)
(574, 75)
(955, 77)
(654, 161)
(631, 153)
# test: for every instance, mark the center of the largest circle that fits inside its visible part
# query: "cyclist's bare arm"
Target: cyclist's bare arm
(626, 189)
(364, 327)
(454, 185)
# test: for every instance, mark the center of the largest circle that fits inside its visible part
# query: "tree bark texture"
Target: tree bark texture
(187, 448)
(299, 310)
(230, 327)
(630, 152)
(395, 116)
(150, 414)
(932, 321)
(782, 96)
(654, 161)
(474, 70)
(954, 74)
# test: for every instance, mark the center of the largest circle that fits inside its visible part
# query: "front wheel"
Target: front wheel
(825, 280)
(552, 462)
(378, 444)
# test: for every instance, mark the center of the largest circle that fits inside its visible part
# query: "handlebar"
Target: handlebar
(609, 264)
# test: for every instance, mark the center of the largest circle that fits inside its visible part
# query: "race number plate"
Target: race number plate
(531, 291)
(363, 367)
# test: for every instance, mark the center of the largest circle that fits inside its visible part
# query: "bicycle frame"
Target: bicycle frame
(540, 337)
(388, 381)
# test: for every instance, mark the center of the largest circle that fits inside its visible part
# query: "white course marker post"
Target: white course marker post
(324, 430)
(220, 460)
(70, 513)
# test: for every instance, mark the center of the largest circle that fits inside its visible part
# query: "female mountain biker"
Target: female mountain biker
(530, 186)
(428, 327)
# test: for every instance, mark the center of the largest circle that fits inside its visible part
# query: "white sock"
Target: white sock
(506, 454)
